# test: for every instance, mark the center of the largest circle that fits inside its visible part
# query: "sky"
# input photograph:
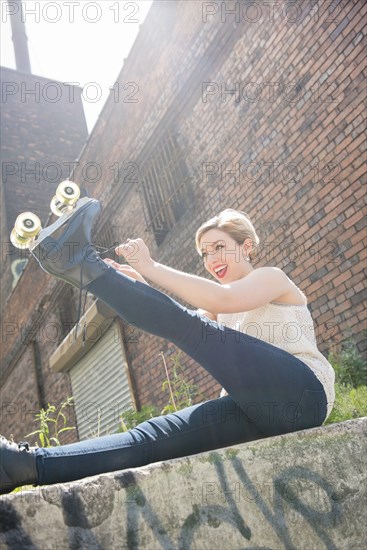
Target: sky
(78, 41)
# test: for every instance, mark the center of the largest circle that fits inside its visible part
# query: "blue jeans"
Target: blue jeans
(270, 391)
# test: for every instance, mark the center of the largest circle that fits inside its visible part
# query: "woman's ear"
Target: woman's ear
(247, 247)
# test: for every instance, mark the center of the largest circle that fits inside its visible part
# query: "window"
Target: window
(100, 386)
(165, 186)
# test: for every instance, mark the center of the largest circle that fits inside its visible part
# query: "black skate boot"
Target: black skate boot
(17, 465)
(64, 249)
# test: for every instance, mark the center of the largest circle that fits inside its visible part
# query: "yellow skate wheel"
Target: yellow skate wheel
(68, 192)
(18, 241)
(59, 208)
(27, 225)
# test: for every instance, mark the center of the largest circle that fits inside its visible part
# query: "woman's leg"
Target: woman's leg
(266, 382)
(270, 392)
(203, 427)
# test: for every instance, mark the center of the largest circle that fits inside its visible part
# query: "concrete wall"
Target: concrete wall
(301, 491)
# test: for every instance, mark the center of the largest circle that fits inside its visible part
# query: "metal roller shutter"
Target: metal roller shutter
(100, 386)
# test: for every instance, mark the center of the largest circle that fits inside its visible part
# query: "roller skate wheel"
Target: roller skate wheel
(68, 192)
(27, 225)
(19, 242)
(59, 208)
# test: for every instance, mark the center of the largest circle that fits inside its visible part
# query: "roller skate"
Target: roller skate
(17, 465)
(63, 249)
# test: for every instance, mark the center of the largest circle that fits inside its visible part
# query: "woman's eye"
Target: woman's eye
(217, 247)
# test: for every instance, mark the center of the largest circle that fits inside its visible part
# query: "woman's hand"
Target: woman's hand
(126, 270)
(136, 253)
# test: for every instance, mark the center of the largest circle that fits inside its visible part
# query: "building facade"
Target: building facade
(219, 104)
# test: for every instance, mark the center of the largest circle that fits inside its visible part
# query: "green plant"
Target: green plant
(97, 431)
(350, 383)
(181, 392)
(181, 395)
(49, 420)
(133, 417)
(349, 403)
(349, 366)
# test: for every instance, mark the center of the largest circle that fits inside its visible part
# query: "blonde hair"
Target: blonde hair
(235, 223)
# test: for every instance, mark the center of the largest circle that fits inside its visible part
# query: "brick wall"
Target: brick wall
(31, 330)
(286, 146)
(43, 129)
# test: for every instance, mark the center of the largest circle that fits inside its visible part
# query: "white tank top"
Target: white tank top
(291, 328)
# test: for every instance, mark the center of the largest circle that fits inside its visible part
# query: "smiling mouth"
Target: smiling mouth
(221, 272)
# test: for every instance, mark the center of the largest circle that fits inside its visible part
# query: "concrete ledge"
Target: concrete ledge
(302, 491)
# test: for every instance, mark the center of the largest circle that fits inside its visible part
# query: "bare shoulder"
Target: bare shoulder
(261, 286)
(273, 276)
(289, 292)
(270, 273)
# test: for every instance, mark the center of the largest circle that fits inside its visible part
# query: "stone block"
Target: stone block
(304, 490)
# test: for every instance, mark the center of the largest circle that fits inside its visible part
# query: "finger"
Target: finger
(122, 248)
(111, 262)
(119, 250)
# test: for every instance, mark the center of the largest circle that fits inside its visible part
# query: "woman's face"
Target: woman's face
(223, 257)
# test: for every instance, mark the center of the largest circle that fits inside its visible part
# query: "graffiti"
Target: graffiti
(223, 502)
(275, 518)
(11, 531)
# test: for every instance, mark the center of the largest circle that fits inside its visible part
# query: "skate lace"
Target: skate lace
(81, 309)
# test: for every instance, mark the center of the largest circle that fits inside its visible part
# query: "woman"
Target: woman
(274, 378)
